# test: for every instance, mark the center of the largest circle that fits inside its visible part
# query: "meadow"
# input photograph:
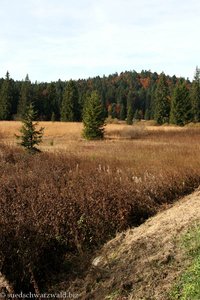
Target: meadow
(63, 203)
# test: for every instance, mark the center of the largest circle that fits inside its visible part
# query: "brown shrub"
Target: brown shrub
(53, 204)
(134, 132)
(128, 132)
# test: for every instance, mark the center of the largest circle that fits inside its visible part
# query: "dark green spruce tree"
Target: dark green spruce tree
(6, 99)
(180, 106)
(195, 96)
(162, 103)
(30, 136)
(122, 101)
(138, 115)
(130, 115)
(51, 105)
(93, 118)
(130, 107)
(25, 98)
(122, 114)
(70, 111)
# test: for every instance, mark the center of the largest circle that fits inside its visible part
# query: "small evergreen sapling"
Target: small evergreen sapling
(30, 136)
(93, 118)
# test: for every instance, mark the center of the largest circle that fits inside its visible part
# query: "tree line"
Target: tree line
(125, 96)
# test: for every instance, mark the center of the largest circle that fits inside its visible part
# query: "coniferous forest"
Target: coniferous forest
(125, 96)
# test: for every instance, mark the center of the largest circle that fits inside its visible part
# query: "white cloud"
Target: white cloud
(52, 39)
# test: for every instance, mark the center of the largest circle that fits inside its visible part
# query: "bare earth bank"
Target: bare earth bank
(141, 263)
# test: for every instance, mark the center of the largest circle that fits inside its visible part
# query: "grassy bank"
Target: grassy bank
(188, 285)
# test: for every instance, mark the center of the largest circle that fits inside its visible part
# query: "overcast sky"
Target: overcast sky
(52, 39)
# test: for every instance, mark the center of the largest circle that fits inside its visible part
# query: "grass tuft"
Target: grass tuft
(188, 285)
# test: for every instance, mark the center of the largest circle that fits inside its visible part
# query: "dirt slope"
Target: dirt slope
(143, 262)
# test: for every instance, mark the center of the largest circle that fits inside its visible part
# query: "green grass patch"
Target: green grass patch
(188, 285)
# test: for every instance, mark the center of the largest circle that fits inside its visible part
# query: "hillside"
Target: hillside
(143, 262)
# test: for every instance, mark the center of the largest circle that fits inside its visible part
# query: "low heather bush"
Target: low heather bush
(55, 204)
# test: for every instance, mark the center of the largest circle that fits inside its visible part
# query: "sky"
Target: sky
(66, 39)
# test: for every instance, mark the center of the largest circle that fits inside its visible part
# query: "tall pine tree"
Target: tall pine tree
(162, 103)
(25, 98)
(122, 114)
(130, 107)
(180, 106)
(6, 99)
(195, 96)
(93, 118)
(70, 104)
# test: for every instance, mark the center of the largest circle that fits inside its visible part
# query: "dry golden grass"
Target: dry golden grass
(72, 130)
(136, 146)
(142, 148)
(61, 133)
(77, 194)
(52, 129)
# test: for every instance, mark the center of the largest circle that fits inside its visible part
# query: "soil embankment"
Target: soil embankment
(142, 263)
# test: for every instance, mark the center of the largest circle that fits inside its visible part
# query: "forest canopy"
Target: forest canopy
(144, 95)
